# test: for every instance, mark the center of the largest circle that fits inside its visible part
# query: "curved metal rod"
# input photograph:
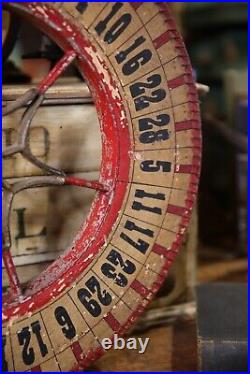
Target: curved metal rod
(20, 102)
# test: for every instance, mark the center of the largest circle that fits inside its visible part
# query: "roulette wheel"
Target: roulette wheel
(142, 85)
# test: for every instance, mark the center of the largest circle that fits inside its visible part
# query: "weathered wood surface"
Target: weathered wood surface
(73, 92)
(65, 137)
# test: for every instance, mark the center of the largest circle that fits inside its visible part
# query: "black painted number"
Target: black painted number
(109, 269)
(141, 194)
(146, 127)
(134, 63)
(85, 295)
(24, 338)
(140, 245)
(117, 28)
(139, 88)
(64, 320)
(81, 6)
(154, 166)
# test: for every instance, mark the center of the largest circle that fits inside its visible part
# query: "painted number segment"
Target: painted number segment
(85, 296)
(141, 245)
(133, 63)
(65, 321)
(138, 92)
(149, 129)
(141, 194)
(109, 268)
(24, 339)
(115, 29)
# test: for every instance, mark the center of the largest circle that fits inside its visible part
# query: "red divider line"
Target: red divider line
(139, 288)
(187, 125)
(163, 39)
(77, 350)
(80, 182)
(36, 368)
(177, 210)
(112, 322)
(177, 82)
(159, 250)
(185, 169)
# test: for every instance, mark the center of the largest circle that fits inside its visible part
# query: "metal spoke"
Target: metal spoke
(56, 71)
(48, 81)
(22, 141)
(20, 102)
(94, 185)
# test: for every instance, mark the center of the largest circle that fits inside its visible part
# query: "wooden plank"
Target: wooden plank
(57, 91)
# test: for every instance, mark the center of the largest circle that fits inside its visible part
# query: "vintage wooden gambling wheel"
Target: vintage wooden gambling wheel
(140, 76)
